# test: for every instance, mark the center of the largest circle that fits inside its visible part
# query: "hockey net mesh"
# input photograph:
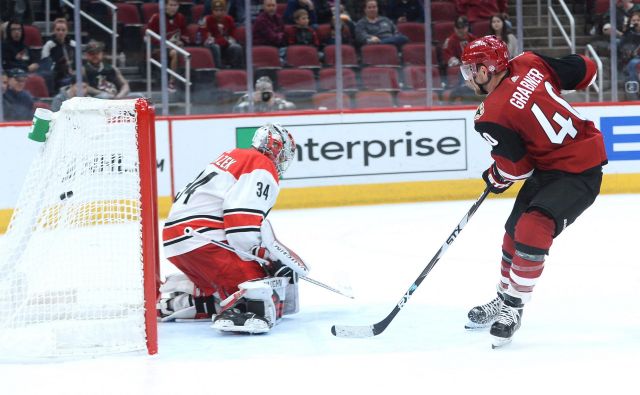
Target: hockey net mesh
(71, 280)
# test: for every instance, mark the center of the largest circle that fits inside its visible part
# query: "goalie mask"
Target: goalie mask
(276, 143)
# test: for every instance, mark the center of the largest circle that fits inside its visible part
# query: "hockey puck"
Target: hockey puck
(66, 195)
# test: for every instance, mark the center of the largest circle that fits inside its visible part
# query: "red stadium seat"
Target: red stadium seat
(148, 9)
(304, 56)
(196, 12)
(369, 99)
(381, 55)
(265, 57)
(281, 8)
(240, 35)
(349, 56)
(443, 11)
(32, 36)
(201, 58)
(480, 28)
(379, 78)
(128, 14)
(329, 101)
(413, 30)
(442, 30)
(296, 80)
(327, 79)
(232, 80)
(415, 98)
(37, 86)
(323, 31)
(414, 53)
(415, 77)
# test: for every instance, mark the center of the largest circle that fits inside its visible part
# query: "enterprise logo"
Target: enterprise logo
(621, 137)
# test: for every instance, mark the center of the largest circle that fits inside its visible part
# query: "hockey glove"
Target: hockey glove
(495, 182)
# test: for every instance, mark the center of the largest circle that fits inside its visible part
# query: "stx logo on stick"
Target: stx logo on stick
(406, 296)
(454, 234)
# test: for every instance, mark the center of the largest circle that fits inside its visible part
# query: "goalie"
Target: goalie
(228, 202)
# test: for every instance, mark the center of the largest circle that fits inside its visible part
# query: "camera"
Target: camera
(266, 96)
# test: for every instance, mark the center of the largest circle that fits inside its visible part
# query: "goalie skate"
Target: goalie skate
(233, 320)
(484, 316)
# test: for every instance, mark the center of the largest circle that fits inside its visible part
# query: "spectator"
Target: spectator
(630, 46)
(19, 10)
(498, 27)
(376, 29)
(264, 100)
(348, 31)
(268, 28)
(5, 82)
(319, 11)
(355, 8)
(15, 54)
(223, 45)
(455, 43)
(303, 33)
(58, 55)
(236, 10)
(176, 29)
(624, 9)
(66, 93)
(17, 102)
(452, 52)
(401, 11)
(104, 80)
(481, 10)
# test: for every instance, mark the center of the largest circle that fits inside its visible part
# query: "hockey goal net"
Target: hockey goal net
(79, 260)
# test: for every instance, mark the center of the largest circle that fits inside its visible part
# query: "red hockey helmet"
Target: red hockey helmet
(489, 51)
(276, 143)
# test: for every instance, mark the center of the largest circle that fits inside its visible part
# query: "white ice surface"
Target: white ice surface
(580, 333)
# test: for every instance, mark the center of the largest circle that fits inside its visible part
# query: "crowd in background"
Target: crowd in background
(219, 27)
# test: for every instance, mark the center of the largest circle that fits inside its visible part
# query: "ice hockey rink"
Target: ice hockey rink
(580, 333)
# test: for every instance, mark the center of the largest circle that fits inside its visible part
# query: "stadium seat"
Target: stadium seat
(443, 11)
(232, 80)
(349, 56)
(37, 86)
(197, 12)
(442, 30)
(327, 80)
(128, 14)
(381, 55)
(413, 30)
(265, 57)
(32, 36)
(296, 80)
(415, 77)
(414, 53)
(480, 28)
(148, 9)
(201, 58)
(329, 101)
(281, 8)
(240, 35)
(303, 56)
(415, 98)
(379, 78)
(369, 99)
(323, 31)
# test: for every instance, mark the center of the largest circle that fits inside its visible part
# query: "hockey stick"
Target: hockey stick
(378, 328)
(191, 232)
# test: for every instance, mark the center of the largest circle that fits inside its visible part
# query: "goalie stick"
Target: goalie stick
(378, 328)
(192, 232)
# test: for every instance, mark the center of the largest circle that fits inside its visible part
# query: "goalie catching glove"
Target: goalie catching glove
(494, 180)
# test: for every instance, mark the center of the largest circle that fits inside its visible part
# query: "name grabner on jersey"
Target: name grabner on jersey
(525, 88)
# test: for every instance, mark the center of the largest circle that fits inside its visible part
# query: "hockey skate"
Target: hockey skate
(483, 316)
(508, 321)
(233, 320)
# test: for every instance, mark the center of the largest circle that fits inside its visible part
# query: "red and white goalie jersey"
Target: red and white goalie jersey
(228, 201)
(530, 126)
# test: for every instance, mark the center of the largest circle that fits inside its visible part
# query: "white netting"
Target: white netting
(71, 280)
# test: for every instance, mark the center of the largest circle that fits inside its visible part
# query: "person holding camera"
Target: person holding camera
(264, 99)
(630, 46)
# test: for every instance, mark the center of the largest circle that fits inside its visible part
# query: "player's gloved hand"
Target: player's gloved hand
(495, 182)
(277, 269)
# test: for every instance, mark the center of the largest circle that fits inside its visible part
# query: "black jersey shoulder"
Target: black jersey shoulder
(570, 70)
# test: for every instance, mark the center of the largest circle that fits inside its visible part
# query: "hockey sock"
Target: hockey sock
(508, 249)
(533, 238)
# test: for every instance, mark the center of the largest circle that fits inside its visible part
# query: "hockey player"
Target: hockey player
(228, 202)
(535, 135)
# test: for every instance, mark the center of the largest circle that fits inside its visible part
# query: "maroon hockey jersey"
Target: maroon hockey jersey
(530, 126)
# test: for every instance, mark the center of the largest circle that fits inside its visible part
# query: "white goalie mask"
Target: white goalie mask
(276, 143)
